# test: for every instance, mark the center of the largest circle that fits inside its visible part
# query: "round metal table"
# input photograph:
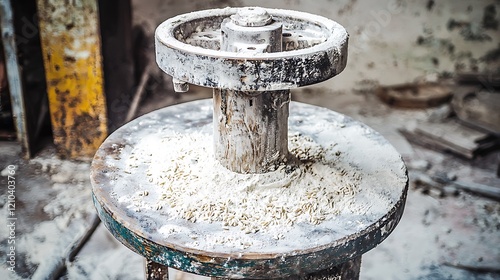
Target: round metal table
(304, 249)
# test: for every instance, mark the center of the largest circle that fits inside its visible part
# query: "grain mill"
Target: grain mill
(249, 185)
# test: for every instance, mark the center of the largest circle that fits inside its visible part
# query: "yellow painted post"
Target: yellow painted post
(71, 46)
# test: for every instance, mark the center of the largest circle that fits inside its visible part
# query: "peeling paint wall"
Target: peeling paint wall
(391, 41)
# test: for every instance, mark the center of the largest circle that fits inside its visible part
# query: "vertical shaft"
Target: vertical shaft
(251, 130)
(251, 127)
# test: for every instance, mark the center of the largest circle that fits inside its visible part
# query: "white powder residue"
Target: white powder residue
(162, 180)
(194, 186)
(43, 246)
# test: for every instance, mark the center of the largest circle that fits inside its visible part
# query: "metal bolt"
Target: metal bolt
(251, 30)
(252, 17)
(180, 86)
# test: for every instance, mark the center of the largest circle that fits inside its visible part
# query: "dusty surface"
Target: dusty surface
(161, 168)
(456, 230)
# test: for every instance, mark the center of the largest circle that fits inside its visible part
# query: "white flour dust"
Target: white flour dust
(194, 186)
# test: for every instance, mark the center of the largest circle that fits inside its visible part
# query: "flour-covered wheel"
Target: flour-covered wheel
(314, 49)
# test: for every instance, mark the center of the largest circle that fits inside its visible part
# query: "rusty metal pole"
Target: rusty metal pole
(72, 56)
(251, 127)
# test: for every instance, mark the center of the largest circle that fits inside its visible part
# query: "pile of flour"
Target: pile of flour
(194, 186)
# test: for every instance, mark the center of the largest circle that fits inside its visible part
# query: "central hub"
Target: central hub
(251, 30)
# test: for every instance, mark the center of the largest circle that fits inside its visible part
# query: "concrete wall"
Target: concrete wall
(391, 41)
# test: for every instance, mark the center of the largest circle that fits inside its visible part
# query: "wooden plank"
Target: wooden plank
(448, 135)
(14, 75)
(452, 134)
(73, 66)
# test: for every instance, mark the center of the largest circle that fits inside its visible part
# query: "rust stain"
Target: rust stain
(73, 65)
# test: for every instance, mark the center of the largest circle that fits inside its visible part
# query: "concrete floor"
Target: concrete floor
(452, 237)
